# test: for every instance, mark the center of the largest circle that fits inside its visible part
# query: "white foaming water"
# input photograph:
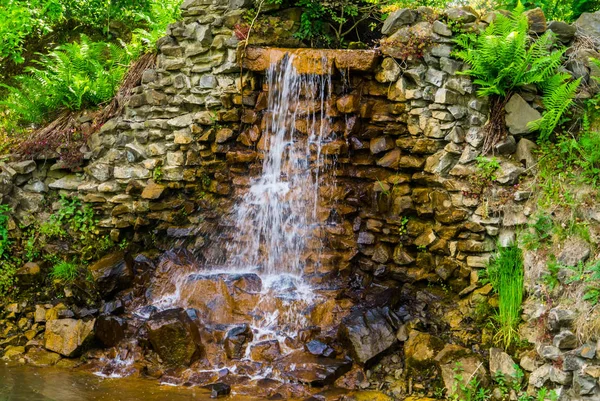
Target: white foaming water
(276, 219)
(278, 215)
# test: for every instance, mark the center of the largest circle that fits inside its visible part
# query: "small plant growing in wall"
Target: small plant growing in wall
(503, 59)
(505, 274)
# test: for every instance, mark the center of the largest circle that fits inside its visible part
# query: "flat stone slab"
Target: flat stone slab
(312, 61)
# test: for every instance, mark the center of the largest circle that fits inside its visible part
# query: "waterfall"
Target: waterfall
(277, 217)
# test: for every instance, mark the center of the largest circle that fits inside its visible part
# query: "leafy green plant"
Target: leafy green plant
(505, 273)
(72, 76)
(561, 10)
(5, 242)
(65, 272)
(471, 391)
(503, 59)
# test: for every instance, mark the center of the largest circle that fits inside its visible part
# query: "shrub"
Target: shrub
(502, 59)
(7, 268)
(505, 273)
(72, 76)
(561, 10)
(65, 272)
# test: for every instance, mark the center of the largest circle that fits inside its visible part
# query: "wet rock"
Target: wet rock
(519, 114)
(153, 191)
(68, 337)
(310, 369)
(29, 274)
(237, 340)
(110, 330)
(388, 72)
(41, 358)
(575, 251)
(218, 390)
(421, 348)
(112, 273)
(368, 333)
(13, 352)
(502, 363)
(565, 340)
(317, 348)
(265, 351)
(174, 337)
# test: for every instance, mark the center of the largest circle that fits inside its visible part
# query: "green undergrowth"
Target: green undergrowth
(65, 241)
(86, 72)
(505, 274)
(473, 390)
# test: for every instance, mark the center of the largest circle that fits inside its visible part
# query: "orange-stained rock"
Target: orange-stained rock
(312, 61)
(265, 351)
(348, 103)
(153, 190)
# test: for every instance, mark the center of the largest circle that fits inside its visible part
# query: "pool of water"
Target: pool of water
(23, 383)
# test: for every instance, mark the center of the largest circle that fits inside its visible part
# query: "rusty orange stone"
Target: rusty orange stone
(312, 61)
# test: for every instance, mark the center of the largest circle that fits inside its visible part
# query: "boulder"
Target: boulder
(398, 18)
(502, 364)
(563, 31)
(110, 330)
(41, 358)
(29, 274)
(525, 153)
(174, 336)
(560, 318)
(68, 337)
(589, 25)
(265, 351)
(389, 71)
(112, 273)
(421, 348)
(313, 370)
(463, 15)
(519, 114)
(575, 251)
(537, 20)
(237, 340)
(565, 340)
(368, 333)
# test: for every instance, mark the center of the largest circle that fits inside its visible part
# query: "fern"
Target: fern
(72, 76)
(503, 59)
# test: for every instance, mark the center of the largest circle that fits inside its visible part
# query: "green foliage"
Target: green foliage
(29, 20)
(503, 58)
(505, 273)
(487, 167)
(75, 221)
(7, 267)
(538, 232)
(65, 272)
(72, 76)
(4, 237)
(559, 10)
(472, 391)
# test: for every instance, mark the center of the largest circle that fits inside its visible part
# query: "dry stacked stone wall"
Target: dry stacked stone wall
(406, 130)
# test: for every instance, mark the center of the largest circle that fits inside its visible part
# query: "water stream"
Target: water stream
(265, 280)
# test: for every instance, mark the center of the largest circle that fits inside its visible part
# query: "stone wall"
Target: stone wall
(407, 129)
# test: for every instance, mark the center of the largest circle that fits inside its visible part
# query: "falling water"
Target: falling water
(275, 224)
(278, 215)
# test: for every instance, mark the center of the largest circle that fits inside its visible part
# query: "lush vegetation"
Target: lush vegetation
(505, 273)
(82, 73)
(503, 59)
